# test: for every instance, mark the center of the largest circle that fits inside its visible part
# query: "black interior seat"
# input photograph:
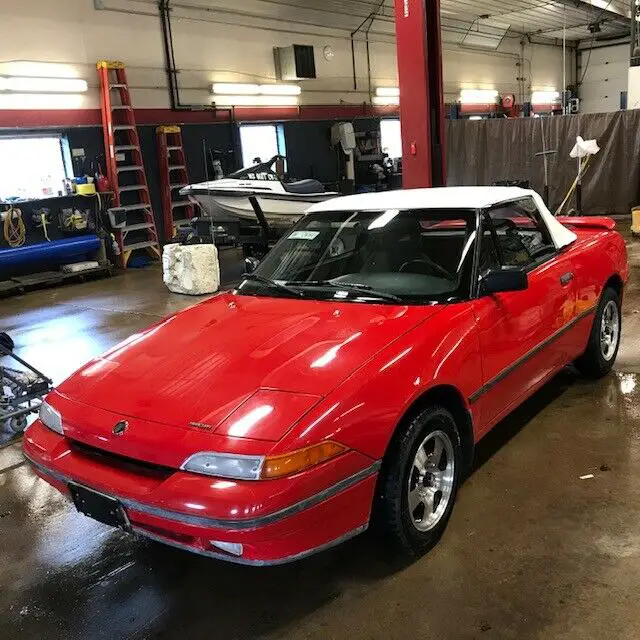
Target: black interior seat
(389, 248)
(304, 187)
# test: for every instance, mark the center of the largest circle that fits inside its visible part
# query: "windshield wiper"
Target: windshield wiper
(254, 277)
(350, 286)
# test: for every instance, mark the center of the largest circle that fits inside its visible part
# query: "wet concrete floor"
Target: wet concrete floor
(532, 551)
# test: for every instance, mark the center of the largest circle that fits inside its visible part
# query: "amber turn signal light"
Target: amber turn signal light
(297, 461)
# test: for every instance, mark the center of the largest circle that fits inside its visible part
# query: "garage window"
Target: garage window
(33, 166)
(391, 138)
(261, 141)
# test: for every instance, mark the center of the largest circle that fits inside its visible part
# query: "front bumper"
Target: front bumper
(297, 529)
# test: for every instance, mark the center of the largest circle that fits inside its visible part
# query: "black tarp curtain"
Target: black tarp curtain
(481, 152)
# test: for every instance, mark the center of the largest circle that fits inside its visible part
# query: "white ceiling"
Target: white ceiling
(539, 18)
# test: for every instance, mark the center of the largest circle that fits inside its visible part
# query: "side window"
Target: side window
(489, 258)
(520, 236)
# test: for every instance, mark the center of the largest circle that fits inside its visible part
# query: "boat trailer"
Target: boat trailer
(22, 388)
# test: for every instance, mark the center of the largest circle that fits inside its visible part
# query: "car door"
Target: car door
(521, 332)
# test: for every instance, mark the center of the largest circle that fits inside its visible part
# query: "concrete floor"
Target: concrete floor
(532, 551)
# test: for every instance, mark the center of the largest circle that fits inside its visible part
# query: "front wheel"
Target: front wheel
(604, 341)
(420, 481)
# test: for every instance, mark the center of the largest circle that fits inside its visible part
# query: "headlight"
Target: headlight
(237, 467)
(223, 465)
(51, 418)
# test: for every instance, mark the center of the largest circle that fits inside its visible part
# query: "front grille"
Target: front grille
(139, 467)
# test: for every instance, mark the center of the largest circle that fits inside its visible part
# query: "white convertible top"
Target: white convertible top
(446, 198)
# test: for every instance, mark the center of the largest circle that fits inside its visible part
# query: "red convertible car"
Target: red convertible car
(344, 382)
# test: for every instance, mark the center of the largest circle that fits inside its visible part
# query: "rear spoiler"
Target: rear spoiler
(587, 222)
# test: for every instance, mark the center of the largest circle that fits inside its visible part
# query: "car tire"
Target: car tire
(411, 512)
(604, 340)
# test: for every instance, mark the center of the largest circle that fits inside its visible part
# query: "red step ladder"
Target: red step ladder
(172, 163)
(131, 214)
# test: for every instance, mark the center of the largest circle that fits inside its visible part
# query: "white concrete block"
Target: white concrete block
(192, 269)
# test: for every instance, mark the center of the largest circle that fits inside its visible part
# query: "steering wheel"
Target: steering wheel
(434, 266)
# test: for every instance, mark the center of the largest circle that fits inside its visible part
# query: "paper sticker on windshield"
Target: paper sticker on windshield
(304, 235)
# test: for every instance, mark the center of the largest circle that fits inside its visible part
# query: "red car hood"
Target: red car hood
(200, 365)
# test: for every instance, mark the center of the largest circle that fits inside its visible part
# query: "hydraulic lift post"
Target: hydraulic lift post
(419, 48)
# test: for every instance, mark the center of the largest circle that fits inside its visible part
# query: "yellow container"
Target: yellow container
(86, 189)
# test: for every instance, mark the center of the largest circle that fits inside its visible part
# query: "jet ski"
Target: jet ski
(283, 203)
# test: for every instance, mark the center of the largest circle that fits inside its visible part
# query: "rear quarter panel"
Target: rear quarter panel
(596, 256)
(365, 410)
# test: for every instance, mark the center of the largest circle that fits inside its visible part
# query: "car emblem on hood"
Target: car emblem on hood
(120, 428)
(201, 425)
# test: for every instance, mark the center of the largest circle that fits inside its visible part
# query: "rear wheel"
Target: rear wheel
(604, 341)
(420, 481)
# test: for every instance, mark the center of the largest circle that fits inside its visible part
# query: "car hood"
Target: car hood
(198, 366)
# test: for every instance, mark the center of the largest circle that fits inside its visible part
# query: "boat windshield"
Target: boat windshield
(408, 256)
(262, 171)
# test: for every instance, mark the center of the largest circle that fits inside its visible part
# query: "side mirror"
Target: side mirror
(251, 264)
(503, 279)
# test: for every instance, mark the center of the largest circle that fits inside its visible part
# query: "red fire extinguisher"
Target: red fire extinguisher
(102, 182)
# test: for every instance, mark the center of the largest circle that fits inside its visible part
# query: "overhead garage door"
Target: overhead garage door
(604, 79)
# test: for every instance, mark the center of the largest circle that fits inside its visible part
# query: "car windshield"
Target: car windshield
(409, 256)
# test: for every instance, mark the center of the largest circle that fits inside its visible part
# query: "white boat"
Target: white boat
(283, 203)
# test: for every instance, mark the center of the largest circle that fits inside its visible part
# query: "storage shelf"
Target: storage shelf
(49, 198)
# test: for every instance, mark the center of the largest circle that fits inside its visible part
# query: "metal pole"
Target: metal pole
(564, 61)
(206, 177)
(546, 163)
(353, 63)
(579, 189)
(369, 68)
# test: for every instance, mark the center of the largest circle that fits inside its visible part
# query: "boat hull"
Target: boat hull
(279, 210)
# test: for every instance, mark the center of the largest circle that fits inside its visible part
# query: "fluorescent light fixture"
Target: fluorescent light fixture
(25, 84)
(45, 101)
(255, 101)
(388, 92)
(385, 100)
(37, 69)
(478, 96)
(233, 89)
(545, 97)
(280, 90)
(475, 118)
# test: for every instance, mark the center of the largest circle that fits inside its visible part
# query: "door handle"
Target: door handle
(566, 278)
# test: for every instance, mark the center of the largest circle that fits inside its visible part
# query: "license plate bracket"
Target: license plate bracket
(98, 506)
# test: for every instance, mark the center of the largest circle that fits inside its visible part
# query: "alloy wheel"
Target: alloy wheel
(431, 481)
(609, 330)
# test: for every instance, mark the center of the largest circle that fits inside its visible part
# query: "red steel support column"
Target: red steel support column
(421, 93)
